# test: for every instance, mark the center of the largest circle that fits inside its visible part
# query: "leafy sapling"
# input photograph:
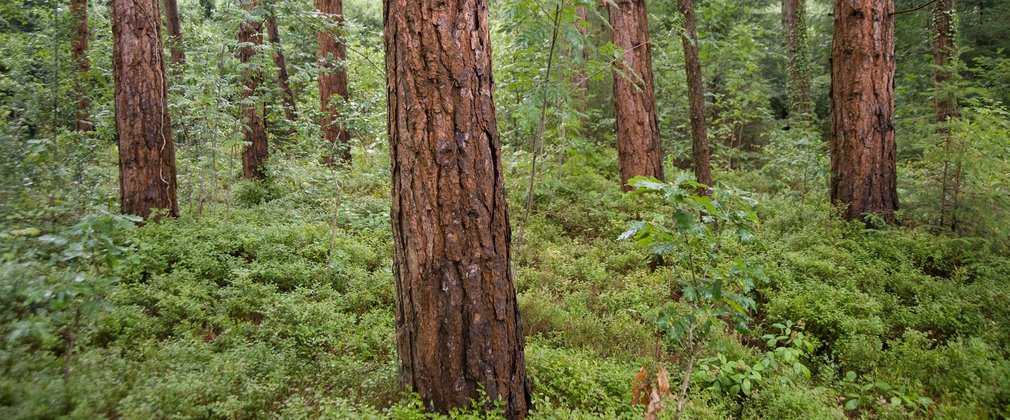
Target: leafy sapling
(694, 233)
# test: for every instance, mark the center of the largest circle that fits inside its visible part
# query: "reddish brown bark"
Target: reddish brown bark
(638, 149)
(863, 165)
(287, 96)
(700, 151)
(250, 38)
(797, 69)
(332, 54)
(174, 29)
(143, 129)
(457, 320)
(79, 53)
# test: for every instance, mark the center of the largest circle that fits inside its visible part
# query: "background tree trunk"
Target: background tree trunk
(457, 319)
(332, 54)
(79, 53)
(700, 150)
(174, 30)
(579, 77)
(250, 37)
(863, 166)
(143, 129)
(945, 103)
(287, 96)
(794, 19)
(638, 147)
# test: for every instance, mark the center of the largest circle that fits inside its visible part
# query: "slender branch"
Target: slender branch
(912, 9)
(538, 140)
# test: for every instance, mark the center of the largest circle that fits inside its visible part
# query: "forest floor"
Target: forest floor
(278, 302)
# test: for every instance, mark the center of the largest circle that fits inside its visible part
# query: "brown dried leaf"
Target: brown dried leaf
(663, 383)
(640, 388)
(655, 406)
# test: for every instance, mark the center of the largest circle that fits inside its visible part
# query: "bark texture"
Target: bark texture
(794, 20)
(250, 38)
(143, 129)
(174, 29)
(332, 54)
(863, 166)
(79, 53)
(700, 151)
(638, 147)
(287, 95)
(457, 319)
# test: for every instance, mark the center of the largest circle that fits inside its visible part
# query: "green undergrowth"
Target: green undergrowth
(278, 302)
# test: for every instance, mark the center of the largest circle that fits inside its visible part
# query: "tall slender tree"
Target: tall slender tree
(287, 95)
(701, 153)
(638, 149)
(174, 29)
(794, 22)
(332, 54)
(945, 104)
(250, 39)
(79, 53)
(579, 77)
(863, 155)
(143, 128)
(457, 319)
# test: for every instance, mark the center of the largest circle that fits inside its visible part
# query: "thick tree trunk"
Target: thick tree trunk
(700, 150)
(945, 103)
(174, 30)
(638, 147)
(79, 53)
(332, 54)
(250, 37)
(143, 129)
(863, 165)
(457, 319)
(287, 96)
(794, 19)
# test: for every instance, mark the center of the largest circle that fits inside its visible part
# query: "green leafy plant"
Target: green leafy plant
(701, 220)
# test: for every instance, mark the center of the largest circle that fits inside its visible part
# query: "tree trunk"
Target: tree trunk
(638, 147)
(332, 54)
(79, 54)
(579, 77)
(700, 150)
(945, 101)
(287, 96)
(174, 30)
(457, 319)
(143, 129)
(863, 165)
(250, 38)
(794, 19)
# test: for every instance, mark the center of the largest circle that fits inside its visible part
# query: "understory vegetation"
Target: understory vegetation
(275, 298)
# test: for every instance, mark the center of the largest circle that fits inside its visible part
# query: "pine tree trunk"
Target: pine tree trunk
(143, 129)
(250, 37)
(287, 96)
(79, 53)
(863, 156)
(794, 19)
(174, 30)
(332, 54)
(457, 319)
(638, 147)
(945, 102)
(700, 150)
